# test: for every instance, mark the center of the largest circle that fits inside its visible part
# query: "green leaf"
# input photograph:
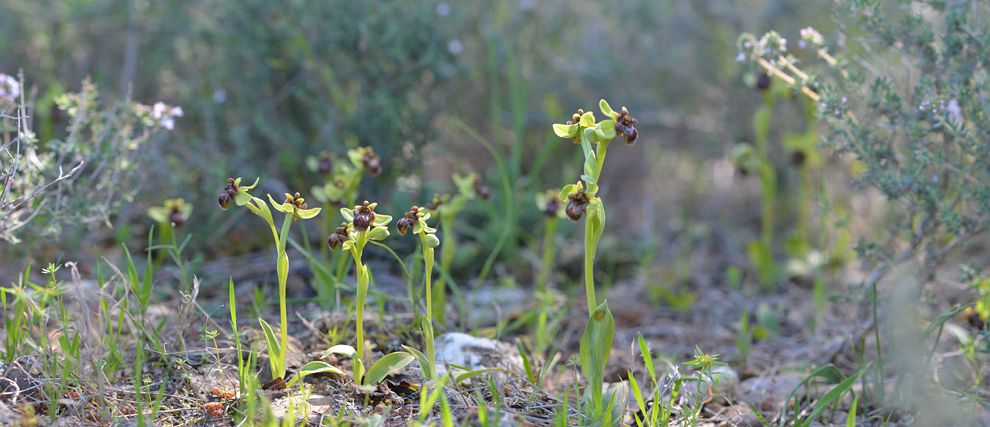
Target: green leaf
(314, 367)
(274, 350)
(471, 374)
(387, 365)
(342, 349)
(596, 344)
(851, 419)
(638, 394)
(565, 131)
(647, 358)
(424, 362)
(832, 396)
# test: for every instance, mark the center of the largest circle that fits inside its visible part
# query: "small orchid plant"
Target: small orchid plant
(416, 220)
(581, 198)
(364, 225)
(294, 209)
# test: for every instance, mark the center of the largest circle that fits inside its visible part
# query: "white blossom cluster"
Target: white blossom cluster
(10, 88)
(159, 115)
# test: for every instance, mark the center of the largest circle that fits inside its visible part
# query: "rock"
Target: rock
(728, 381)
(476, 353)
(770, 391)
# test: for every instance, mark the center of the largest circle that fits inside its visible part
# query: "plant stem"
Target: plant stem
(362, 293)
(589, 269)
(283, 275)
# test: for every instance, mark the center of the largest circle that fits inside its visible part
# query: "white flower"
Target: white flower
(10, 88)
(158, 110)
(811, 36)
(176, 111)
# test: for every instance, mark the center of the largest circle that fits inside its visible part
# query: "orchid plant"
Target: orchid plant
(416, 220)
(364, 225)
(294, 208)
(581, 198)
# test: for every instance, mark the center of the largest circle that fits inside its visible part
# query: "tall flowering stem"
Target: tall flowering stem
(416, 220)
(294, 208)
(363, 225)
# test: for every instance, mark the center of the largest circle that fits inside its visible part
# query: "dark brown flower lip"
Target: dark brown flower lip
(338, 237)
(625, 125)
(228, 194)
(364, 217)
(372, 162)
(408, 220)
(577, 205)
(552, 206)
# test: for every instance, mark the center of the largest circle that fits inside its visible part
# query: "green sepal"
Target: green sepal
(378, 233)
(605, 130)
(242, 196)
(565, 131)
(464, 183)
(431, 241)
(348, 214)
(356, 156)
(382, 220)
(419, 226)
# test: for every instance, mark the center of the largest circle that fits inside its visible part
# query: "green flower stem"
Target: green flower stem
(283, 277)
(590, 247)
(362, 293)
(428, 277)
(548, 234)
(600, 155)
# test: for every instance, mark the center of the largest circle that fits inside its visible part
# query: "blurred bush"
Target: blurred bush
(264, 84)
